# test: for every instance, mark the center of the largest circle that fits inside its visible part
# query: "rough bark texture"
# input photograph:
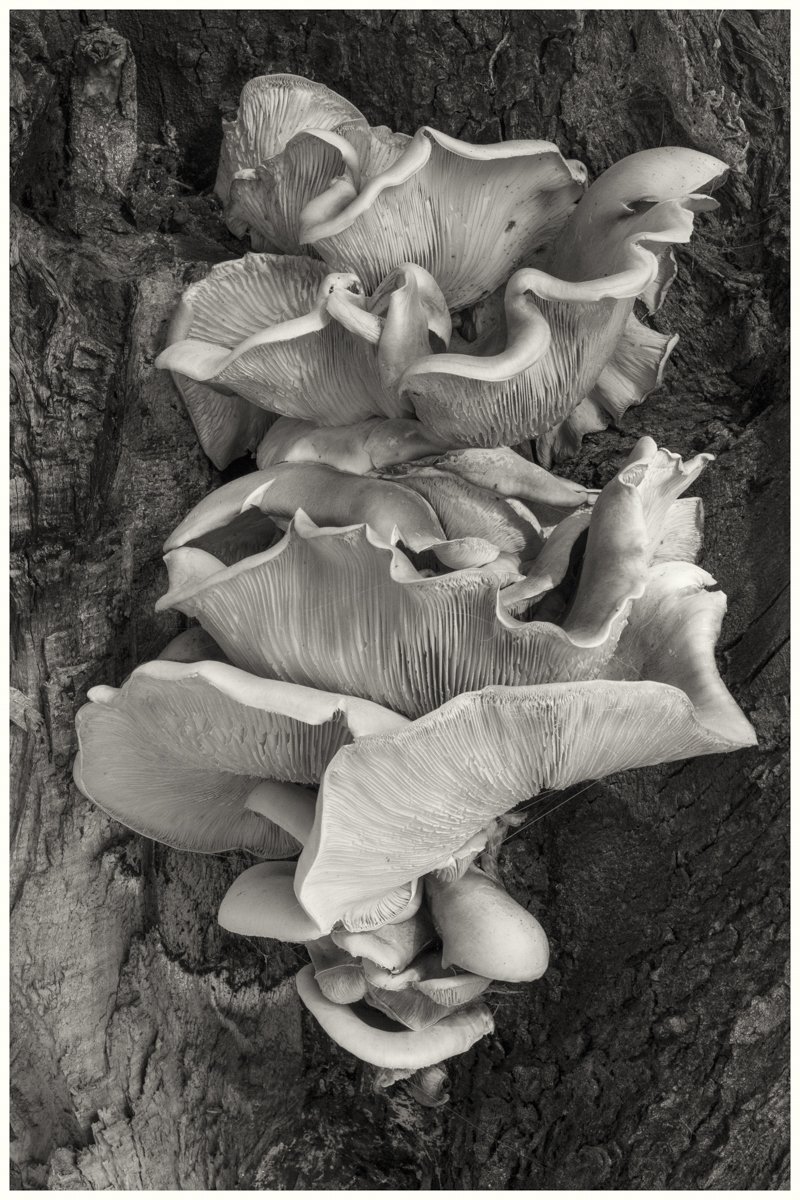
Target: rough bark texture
(152, 1049)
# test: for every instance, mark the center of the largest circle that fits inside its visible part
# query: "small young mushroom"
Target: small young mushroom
(339, 976)
(375, 1039)
(261, 903)
(391, 946)
(484, 931)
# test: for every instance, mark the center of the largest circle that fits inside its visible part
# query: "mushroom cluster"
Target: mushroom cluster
(407, 626)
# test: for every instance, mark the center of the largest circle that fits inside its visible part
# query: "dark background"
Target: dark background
(150, 1048)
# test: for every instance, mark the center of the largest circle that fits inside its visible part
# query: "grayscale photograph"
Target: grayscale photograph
(399, 599)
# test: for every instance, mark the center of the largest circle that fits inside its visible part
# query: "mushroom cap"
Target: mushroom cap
(261, 903)
(175, 753)
(373, 444)
(384, 1043)
(563, 326)
(621, 200)
(259, 327)
(467, 214)
(415, 795)
(507, 473)
(273, 111)
(465, 509)
(383, 630)
(485, 931)
(635, 369)
(671, 634)
(390, 946)
(339, 976)
(334, 498)
(410, 1008)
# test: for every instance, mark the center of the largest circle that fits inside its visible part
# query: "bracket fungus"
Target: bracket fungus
(407, 627)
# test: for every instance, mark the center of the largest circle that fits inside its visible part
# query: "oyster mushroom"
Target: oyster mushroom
(485, 931)
(370, 445)
(563, 325)
(339, 976)
(261, 903)
(416, 794)
(467, 214)
(265, 612)
(269, 170)
(381, 629)
(390, 946)
(375, 1039)
(504, 471)
(260, 327)
(177, 751)
(334, 498)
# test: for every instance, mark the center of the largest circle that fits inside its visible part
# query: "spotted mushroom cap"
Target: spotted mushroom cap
(467, 214)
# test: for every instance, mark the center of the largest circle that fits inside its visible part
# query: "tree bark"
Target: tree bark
(151, 1049)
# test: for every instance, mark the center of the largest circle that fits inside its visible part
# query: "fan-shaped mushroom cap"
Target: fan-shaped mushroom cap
(274, 110)
(374, 1039)
(261, 903)
(636, 522)
(371, 445)
(562, 327)
(415, 795)
(467, 214)
(484, 931)
(335, 498)
(260, 327)
(621, 201)
(671, 635)
(339, 976)
(227, 425)
(175, 753)
(635, 369)
(344, 605)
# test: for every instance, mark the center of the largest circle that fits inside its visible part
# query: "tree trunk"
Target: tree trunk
(151, 1049)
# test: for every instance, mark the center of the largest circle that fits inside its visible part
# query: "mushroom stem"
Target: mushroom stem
(375, 1039)
(287, 804)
